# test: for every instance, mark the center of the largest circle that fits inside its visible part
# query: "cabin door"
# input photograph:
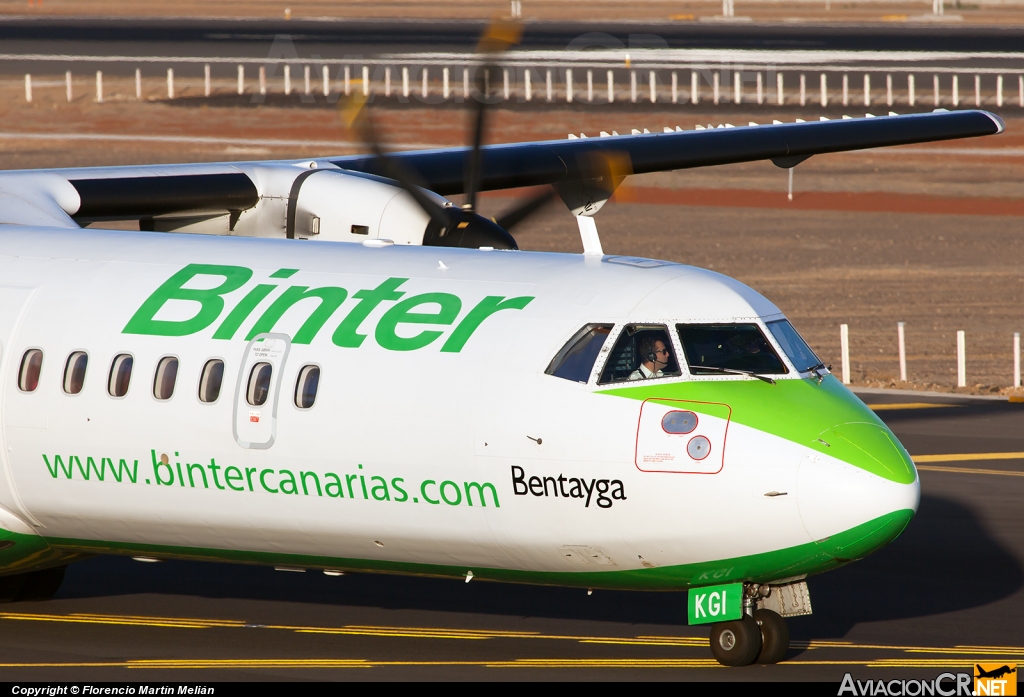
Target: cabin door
(13, 300)
(258, 390)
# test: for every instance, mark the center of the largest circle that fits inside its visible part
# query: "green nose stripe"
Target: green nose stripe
(870, 447)
(862, 540)
(801, 411)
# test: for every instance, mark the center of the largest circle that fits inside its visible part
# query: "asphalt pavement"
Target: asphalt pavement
(355, 39)
(946, 593)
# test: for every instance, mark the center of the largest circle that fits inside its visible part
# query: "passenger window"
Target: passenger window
(166, 376)
(576, 359)
(306, 387)
(120, 375)
(643, 352)
(210, 381)
(259, 384)
(74, 372)
(28, 376)
(718, 348)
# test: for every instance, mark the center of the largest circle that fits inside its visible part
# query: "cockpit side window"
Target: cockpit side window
(794, 346)
(576, 359)
(643, 352)
(741, 347)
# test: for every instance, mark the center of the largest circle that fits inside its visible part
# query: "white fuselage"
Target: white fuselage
(391, 462)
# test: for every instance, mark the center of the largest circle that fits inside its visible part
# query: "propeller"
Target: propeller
(452, 226)
(449, 226)
(524, 209)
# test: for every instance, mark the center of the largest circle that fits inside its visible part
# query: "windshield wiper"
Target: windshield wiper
(735, 371)
(820, 366)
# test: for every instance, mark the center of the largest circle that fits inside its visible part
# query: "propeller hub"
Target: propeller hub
(464, 228)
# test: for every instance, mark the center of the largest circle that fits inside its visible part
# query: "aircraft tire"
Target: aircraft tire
(774, 636)
(736, 643)
(42, 585)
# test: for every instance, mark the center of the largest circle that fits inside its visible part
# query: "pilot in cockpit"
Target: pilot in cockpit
(654, 356)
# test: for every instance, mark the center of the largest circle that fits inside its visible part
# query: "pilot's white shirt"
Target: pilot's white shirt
(642, 373)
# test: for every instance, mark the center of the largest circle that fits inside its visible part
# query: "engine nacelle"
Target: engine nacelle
(340, 206)
(316, 202)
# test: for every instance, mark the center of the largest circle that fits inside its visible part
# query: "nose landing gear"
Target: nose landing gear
(736, 643)
(774, 636)
(760, 636)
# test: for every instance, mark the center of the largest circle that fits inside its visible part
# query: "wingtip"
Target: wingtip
(1000, 124)
(994, 118)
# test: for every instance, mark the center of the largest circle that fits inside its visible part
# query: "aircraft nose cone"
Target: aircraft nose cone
(872, 448)
(861, 494)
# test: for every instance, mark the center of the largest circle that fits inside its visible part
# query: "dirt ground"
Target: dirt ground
(929, 235)
(669, 10)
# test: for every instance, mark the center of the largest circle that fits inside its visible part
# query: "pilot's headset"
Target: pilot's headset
(647, 350)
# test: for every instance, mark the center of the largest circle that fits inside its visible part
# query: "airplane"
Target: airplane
(330, 366)
(994, 674)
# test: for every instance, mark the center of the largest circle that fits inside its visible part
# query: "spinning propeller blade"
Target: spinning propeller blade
(524, 209)
(499, 36)
(450, 226)
(355, 116)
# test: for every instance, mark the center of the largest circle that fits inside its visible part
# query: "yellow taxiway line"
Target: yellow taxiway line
(951, 457)
(417, 632)
(967, 457)
(955, 656)
(970, 470)
(129, 620)
(563, 663)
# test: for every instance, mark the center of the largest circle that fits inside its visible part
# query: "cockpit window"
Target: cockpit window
(576, 359)
(794, 346)
(643, 352)
(740, 347)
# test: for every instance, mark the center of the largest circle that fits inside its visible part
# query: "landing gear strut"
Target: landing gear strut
(760, 636)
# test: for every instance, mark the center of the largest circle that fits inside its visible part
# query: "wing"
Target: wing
(37, 198)
(200, 191)
(553, 162)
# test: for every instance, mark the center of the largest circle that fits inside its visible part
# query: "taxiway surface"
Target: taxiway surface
(948, 592)
(361, 38)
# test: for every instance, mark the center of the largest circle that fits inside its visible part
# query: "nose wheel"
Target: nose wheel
(774, 636)
(736, 643)
(762, 637)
